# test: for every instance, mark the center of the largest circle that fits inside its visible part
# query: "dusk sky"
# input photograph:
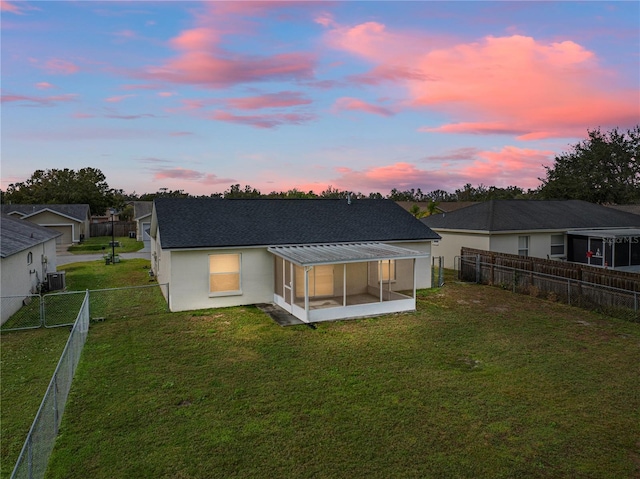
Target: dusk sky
(362, 96)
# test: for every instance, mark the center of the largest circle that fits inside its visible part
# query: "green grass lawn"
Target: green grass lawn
(99, 244)
(478, 383)
(27, 362)
(28, 358)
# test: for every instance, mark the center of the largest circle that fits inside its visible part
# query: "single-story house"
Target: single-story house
(142, 217)
(568, 230)
(71, 220)
(317, 259)
(441, 206)
(27, 255)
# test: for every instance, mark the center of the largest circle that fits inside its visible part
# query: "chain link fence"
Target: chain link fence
(58, 309)
(619, 303)
(34, 456)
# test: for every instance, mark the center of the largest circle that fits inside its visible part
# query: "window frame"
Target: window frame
(556, 245)
(383, 270)
(29, 258)
(234, 292)
(526, 248)
(316, 288)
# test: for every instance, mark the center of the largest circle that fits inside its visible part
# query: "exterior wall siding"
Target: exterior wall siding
(189, 283)
(451, 244)
(52, 220)
(19, 278)
(423, 265)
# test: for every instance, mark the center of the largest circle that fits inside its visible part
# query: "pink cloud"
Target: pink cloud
(38, 101)
(191, 176)
(263, 121)
(15, 7)
(43, 85)
(514, 84)
(270, 100)
(61, 67)
(511, 166)
(202, 59)
(117, 99)
(354, 104)
(218, 70)
(166, 94)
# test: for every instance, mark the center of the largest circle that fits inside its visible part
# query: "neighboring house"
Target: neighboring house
(142, 217)
(441, 206)
(570, 230)
(635, 209)
(71, 220)
(318, 259)
(27, 254)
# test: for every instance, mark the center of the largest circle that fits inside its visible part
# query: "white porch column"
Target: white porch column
(415, 274)
(306, 292)
(344, 284)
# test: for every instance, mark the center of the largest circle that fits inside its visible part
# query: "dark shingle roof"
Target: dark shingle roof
(198, 223)
(79, 212)
(17, 235)
(142, 208)
(523, 215)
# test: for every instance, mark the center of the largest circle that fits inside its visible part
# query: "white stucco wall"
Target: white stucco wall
(451, 243)
(18, 278)
(189, 286)
(539, 243)
(423, 265)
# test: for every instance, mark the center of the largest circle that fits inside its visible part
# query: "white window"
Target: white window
(320, 281)
(29, 257)
(224, 274)
(557, 245)
(387, 269)
(523, 245)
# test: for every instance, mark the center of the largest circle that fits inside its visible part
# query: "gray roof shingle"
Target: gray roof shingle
(208, 222)
(79, 212)
(524, 215)
(142, 209)
(17, 235)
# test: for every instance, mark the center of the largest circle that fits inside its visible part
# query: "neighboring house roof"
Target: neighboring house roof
(441, 207)
(635, 209)
(448, 206)
(17, 235)
(526, 215)
(79, 212)
(142, 209)
(207, 222)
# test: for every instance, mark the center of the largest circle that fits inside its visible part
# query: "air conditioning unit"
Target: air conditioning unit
(57, 280)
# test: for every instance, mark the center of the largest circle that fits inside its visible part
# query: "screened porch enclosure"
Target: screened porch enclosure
(329, 282)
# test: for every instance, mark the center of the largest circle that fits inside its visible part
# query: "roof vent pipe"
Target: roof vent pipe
(348, 198)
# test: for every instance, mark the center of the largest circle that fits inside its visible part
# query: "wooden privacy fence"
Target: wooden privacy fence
(616, 293)
(120, 228)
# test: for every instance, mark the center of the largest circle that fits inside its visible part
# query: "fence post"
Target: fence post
(477, 268)
(55, 404)
(635, 301)
(42, 311)
(569, 291)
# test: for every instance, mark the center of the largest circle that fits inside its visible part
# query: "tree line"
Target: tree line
(604, 168)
